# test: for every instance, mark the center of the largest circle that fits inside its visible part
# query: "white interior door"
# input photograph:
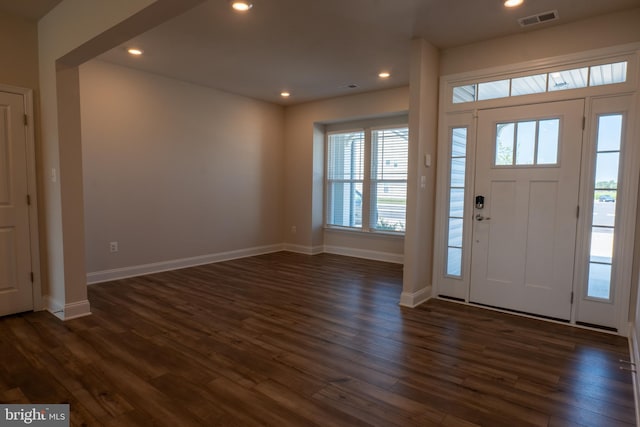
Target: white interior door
(16, 289)
(527, 170)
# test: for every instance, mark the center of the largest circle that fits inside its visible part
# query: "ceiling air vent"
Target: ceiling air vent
(539, 18)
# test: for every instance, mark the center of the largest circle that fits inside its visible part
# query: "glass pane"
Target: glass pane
(609, 132)
(608, 74)
(599, 281)
(606, 196)
(526, 143)
(604, 208)
(529, 84)
(601, 245)
(346, 156)
(455, 232)
(388, 212)
(548, 131)
(459, 142)
(568, 79)
(607, 170)
(454, 262)
(456, 202)
(491, 90)
(464, 94)
(504, 144)
(345, 204)
(390, 152)
(457, 172)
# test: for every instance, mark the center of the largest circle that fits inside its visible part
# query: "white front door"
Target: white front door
(16, 290)
(524, 232)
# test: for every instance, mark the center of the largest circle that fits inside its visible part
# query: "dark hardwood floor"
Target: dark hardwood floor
(293, 340)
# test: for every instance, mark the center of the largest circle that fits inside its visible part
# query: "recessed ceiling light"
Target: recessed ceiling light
(285, 94)
(384, 75)
(135, 51)
(512, 3)
(241, 5)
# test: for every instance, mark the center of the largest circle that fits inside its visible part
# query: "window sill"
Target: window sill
(362, 233)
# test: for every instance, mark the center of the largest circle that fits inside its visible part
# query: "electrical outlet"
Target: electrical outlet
(113, 247)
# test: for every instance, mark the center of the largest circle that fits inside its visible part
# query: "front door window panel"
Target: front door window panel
(527, 143)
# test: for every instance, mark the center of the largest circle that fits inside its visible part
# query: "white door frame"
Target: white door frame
(456, 115)
(27, 96)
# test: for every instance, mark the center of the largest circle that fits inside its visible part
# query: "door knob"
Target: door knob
(479, 217)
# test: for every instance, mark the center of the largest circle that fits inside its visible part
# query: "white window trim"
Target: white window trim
(368, 126)
(596, 57)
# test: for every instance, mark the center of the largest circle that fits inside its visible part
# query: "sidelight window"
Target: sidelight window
(605, 194)
(455, 223)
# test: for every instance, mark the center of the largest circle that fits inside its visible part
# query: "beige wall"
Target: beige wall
(19, 47)
(173, 170)
(599, 32)
(304, 177)
(421, 195)
(73, 32)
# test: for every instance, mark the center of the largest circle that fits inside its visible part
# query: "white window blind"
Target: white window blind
(389, 179)
(366, 179)
(345, 179)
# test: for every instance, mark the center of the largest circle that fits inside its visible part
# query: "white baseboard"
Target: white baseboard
(414, 299)
(305, 250)
(634, 351)
(158, 267)
(69, 311)
(366, 254)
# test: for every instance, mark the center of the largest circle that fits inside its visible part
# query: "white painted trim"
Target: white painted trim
(38, 300)
(627, 52)
(594, 55)
(306, 250)
(158, 267)
(412, 300)
(634, 352)
(34, 243)
(70, 311)
(54, 307)
(14, 89)
(76, 310)
(366, 254)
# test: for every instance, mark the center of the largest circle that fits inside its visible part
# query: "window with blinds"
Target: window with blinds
(345, 179)
(366, 179)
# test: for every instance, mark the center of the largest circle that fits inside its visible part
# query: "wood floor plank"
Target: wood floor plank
(293, 340)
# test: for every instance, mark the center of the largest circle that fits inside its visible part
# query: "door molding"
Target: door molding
(465, 114)
(32, 184)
